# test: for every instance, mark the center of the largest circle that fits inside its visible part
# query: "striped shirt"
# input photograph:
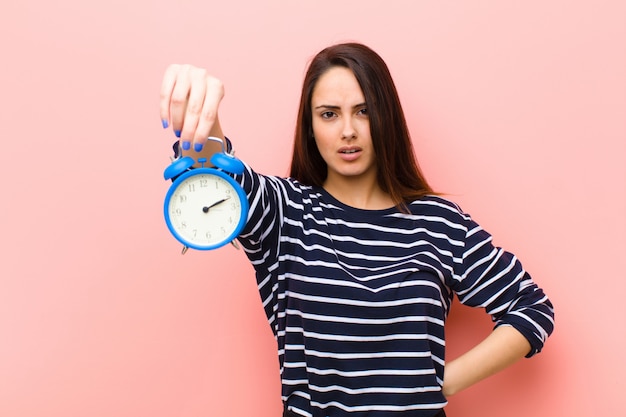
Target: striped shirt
(357, 299)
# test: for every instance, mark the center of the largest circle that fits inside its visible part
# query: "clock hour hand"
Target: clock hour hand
(207, 208)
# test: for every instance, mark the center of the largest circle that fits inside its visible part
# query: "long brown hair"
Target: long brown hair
(398, 171)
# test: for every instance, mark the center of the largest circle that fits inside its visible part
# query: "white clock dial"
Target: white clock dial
(205, 210)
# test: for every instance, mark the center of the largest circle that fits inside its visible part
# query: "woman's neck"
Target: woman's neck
(361, 193)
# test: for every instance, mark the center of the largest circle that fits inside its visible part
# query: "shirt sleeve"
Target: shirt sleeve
(262, 230)
(260, 238)
(490, 277)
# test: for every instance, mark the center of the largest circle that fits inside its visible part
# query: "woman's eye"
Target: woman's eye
(363, 111)
(327, 114)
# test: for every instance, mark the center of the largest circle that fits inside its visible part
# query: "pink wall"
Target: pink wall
(517, 110)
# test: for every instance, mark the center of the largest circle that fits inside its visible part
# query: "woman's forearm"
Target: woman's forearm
(504, 346)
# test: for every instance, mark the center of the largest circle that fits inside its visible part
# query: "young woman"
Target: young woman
(357, 260)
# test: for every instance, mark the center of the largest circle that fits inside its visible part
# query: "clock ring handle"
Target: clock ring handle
(226, 161)
(218, 140)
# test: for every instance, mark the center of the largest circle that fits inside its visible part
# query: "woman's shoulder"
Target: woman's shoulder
(437, 202)
(436, 205)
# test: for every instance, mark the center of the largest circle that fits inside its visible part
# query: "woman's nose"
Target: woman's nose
(348, 131)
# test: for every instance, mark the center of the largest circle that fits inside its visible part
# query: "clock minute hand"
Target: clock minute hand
(207, 208)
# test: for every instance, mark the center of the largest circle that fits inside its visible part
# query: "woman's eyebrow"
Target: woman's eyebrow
(333, 107)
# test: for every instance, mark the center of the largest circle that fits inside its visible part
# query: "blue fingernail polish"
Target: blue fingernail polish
(186, 146)
(177, 133)
(197, 147)
(164, 123)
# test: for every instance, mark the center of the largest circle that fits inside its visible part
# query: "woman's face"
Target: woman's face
(341, 126)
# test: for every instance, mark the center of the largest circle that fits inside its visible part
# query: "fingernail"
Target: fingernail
(197, 147)
(177, 133)
(186, 145)
(164, 123)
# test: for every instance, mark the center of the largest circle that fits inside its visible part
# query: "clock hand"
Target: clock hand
(206, 209)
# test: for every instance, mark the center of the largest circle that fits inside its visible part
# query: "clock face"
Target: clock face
(205, 209)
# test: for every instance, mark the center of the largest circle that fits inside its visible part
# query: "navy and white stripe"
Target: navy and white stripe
(357, 299)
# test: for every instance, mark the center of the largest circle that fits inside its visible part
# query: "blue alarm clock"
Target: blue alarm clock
(205, 208)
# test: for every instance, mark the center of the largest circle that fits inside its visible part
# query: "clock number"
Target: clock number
(182, 199)
(192, 188)
(204, 183)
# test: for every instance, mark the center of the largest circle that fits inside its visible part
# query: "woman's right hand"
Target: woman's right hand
(190, 99)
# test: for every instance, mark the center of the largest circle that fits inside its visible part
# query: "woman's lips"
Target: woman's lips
(350, 153)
